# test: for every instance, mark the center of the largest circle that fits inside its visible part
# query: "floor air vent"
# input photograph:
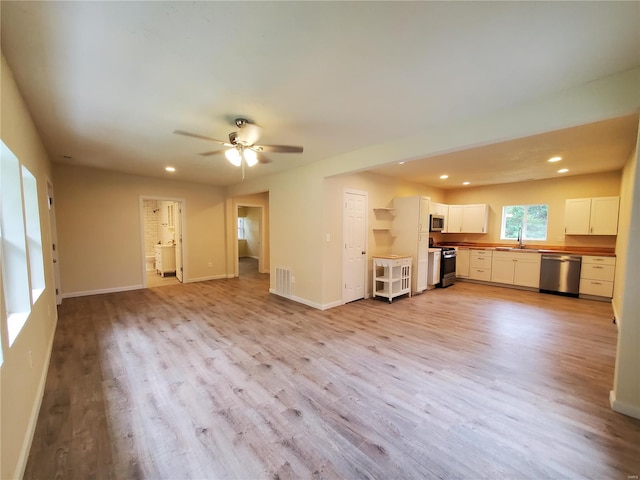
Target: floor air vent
(283, 281)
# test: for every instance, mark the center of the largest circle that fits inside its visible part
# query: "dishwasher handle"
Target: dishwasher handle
(562, 258)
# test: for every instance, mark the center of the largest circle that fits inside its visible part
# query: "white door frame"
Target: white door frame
(235, 235)
(54, 242)
(181, 247)
(365, 227)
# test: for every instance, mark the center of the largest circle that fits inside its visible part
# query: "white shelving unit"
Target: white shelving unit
(391, 276)
(383, 220)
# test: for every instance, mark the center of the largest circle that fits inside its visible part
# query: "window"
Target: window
(532, 219)
(20, 240)
(241, 234)
(34, 236)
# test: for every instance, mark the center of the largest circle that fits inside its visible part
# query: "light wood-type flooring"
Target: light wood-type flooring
(222, 380)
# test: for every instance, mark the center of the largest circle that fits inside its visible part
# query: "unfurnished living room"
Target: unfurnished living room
(339, 240)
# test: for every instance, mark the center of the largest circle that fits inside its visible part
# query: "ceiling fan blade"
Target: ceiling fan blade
(202, 137)
(213, 152)
(280, 148)
(263, 159)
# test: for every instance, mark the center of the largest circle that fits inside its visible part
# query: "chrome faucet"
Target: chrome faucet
(520, 245)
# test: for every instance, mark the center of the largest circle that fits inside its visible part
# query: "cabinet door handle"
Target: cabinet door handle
(596, 283)
(598, 267)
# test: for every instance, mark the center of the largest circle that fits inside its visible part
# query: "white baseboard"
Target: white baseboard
(615, 313)
(212, 277)
(309, 303)
(35, 411)
(623, 407)
(101, 291)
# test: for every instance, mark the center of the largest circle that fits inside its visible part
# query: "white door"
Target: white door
(355, 253)
(54, 244)
(177, 222)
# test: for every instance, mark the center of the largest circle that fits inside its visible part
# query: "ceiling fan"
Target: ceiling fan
(241, 147)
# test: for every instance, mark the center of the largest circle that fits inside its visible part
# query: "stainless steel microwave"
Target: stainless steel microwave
(436, 223)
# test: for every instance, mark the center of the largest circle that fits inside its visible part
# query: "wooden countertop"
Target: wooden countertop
(559, 249)
(392, 257)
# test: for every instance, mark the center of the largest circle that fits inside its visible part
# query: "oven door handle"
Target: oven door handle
(449, 255)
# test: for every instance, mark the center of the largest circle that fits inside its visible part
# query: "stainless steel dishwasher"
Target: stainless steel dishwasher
(560, 274)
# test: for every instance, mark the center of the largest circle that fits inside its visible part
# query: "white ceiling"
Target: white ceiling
(108, 82)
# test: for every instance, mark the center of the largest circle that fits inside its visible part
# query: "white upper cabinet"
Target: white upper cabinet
(591, 216)
(454, 218)
(468, 218)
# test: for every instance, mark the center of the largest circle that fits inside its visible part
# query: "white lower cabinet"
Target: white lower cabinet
(165, 259)
(391, 276)
(462, 262)
(516, 268)
(597, 275)
(480, 264)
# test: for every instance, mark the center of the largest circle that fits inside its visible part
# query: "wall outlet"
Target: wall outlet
(210, 265)
(30, 359)
(328, 237)
(293, 279)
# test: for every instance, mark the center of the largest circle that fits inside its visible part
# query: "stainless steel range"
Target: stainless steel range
(447, 267)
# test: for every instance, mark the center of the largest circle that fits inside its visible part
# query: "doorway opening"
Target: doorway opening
(250, 239)
(162, 240)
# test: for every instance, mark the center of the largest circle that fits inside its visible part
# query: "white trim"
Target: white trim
(21, 464)
(212, 277)
(306, 302)
(102, 290)
(623, 407)
(615, 314)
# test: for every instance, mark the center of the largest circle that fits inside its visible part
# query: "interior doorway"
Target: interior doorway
(249, 239)
(354, 235)
(162, 222)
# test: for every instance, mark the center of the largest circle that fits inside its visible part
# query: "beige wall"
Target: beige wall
(552, 192)
(253, 227)
(626, 301)
(23, 371)
(100, 232)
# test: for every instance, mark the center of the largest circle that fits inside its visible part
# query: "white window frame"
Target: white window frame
(241, 228)
(524, 222)
(20, 241)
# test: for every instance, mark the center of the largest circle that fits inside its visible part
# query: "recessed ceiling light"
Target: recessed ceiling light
(444, 177)
(563, 170)
(466, 183)
(554, 159)
(400, 163)
(170, 169)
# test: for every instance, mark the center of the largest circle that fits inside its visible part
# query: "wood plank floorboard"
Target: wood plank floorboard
(222, 380)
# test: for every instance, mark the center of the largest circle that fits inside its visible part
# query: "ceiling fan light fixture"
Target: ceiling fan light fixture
(234, 157)
(250, 157)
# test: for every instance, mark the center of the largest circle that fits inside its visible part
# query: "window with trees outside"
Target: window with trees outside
(241, 234)
(532, 219)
